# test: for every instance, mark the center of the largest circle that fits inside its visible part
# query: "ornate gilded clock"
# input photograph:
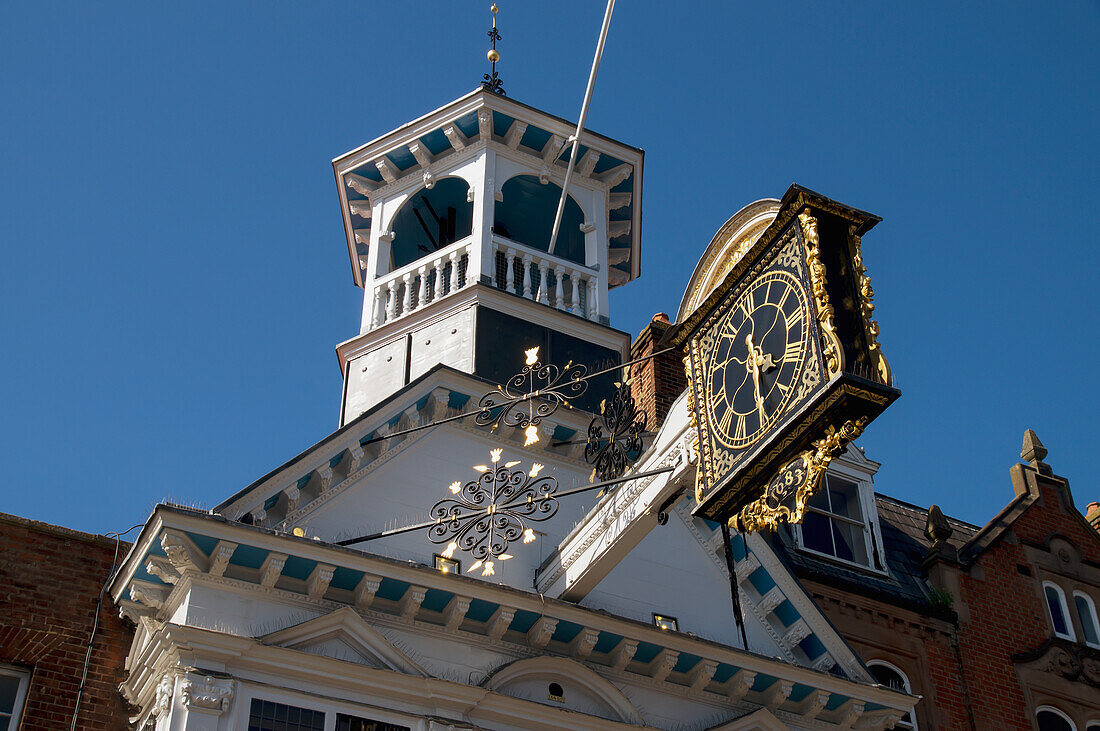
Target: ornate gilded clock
(783, 363)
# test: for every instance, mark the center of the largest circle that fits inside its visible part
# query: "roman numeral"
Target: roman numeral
(792, 351)
(724, 422)
(794, 318)
(739, 432)
(783, 387)
(783, 299)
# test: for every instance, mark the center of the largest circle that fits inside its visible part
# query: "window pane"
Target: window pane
(820, 499)
(844, 497)
(815, 533)
(1050, 721)
(849, 542)
(1057, 617)
(345, 722)
(268, 716)
(9, 688)
(1088, 620)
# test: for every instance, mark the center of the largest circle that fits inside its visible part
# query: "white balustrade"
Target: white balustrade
(529, 273)
(413, 286)
(573, 289)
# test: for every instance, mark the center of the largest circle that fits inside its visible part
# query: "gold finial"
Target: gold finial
(491, 81)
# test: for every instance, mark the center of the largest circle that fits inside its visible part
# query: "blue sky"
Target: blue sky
(175, 276)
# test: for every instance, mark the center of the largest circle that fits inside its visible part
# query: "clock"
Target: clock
(754, 361)
(783, 363)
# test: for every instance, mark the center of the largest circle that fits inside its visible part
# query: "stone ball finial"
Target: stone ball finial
(937, 528)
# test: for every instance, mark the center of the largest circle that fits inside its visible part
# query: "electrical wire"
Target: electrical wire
(95, 624)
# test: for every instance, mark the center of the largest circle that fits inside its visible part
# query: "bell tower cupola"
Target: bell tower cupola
(448, 222)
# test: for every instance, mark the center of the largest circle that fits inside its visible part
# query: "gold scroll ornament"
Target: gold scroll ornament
(801, 476)
(866, 308)
(834, 354)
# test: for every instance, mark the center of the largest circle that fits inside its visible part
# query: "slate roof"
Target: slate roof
(905, 545)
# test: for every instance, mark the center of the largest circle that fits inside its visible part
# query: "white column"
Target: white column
(527, 276)
(510, 270)
(454, 271)
(480, 260)
(391, 299)
(593, 299)
(437, 266)
(544, 272)
(409, 293)
(422, 295)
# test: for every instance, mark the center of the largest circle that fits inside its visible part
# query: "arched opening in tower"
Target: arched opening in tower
(431, 220)
(526, 216)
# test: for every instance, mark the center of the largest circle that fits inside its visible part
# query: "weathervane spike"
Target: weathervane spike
(492, 81)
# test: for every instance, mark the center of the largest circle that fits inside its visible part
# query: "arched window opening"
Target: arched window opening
(526, 216)
(1059, 612)
(431, 220)
(893, 678)
(1051, 719)
(1086, 611)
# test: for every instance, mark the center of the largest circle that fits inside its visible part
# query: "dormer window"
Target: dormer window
(841, 522)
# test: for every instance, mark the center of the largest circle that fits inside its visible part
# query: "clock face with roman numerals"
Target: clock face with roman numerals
(759, 351)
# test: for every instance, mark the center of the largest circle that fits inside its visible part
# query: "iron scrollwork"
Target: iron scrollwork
(488, 513)
(615, 436)
(543, 387)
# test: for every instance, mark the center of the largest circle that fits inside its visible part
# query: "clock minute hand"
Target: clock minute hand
(753, 362)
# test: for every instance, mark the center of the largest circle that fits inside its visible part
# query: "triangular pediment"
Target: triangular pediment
(761, 720)
(344, 635)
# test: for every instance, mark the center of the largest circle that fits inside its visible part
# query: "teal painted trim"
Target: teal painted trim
(761, 580)
(786, 613)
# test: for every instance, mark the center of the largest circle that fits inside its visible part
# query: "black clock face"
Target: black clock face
(759, 351)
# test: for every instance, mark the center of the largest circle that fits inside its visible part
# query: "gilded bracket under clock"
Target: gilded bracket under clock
(834, 353)
(802, 475)
(866, 308)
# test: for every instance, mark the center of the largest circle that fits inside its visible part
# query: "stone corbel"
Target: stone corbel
(361, 185)
(587, 163)
(324, 473)
(812, 704)
(355, 458)
(456, 612)
(272, 569)
(389, 172)
(515, 134)
(149, 595)
(366, 589)
(182, 551)
(618, 228)
(615, 201)
(849, 713)
(740, 684)
(541, 631)
(455, 137)
(623, 654)
(583, 644)
(410, 603)
(485, 124)
(162, 569)
(777, 694)
(498, 623)
(206, 693)
(318, 581)
(293, 495)
(219, 559)
(701, 675)
(663, 664)
(422, 154)
(615, 175)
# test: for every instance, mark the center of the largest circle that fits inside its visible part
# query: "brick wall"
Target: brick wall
(656, 383)
(50, 579)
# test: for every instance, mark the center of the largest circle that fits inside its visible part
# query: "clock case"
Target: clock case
(856, 383)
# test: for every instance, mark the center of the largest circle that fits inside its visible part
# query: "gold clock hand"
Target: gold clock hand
(755, 360)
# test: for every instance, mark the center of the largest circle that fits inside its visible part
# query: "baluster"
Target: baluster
(378, 307)
(437, 266)
(410, 294)
(510, 271)
(575, 306)
(391, 301)
(527, 276)
(422, 296)
(559, 297)
(593, 307)
(454, 271)
(544, 276)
